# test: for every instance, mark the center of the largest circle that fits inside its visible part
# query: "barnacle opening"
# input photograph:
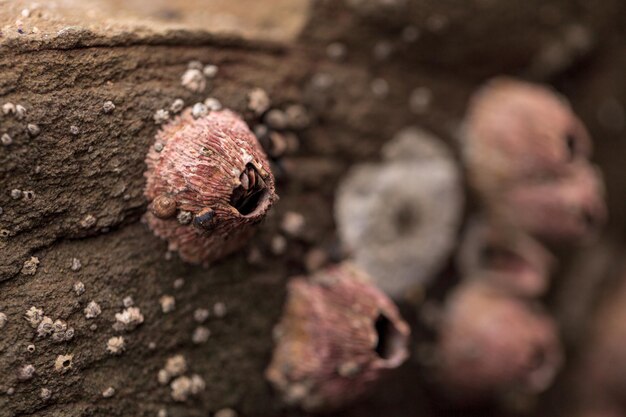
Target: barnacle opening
(405, 220)
(390, 342)
(252, 193)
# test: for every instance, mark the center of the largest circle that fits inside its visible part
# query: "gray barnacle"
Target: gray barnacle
(400, 218)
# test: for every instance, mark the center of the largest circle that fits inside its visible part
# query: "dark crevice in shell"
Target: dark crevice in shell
(390, 340)
(252, 192)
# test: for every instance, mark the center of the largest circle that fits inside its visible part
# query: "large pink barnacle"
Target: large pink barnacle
(208, 183)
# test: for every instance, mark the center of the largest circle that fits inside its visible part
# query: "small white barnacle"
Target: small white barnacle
(88, 221)
(26, 372)
(45, 394)
(45, 327)
(258, 101)
(79, 288)
(6, 139)
(128, 319)
(177, 106)
(30, 266)
(213, 104)
(199, 110)
(200, 335)
(30, 348)
(183, 387)
(16, 194)
(210, 71)
(225, 412)
(8, 108)
(92, 310)
(176, 365)
(200, 315)
(20, 111)
(75, 266)
(108, 106)
(193, 80)
(219, 309)
(34, 316)
(3, 320)
(116, 345)
(109, 392)
(168, 303)
(63, 363)
(74, 130)
(32, 129)
(161, 116)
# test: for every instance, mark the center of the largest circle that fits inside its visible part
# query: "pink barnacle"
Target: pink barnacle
(514, 131)
(212, 172)
(338, 335)
(491, 343)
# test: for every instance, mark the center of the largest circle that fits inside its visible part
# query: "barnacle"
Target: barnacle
(338, 335)
(214, 174)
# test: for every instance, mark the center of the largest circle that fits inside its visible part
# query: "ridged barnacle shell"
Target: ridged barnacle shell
(217, 174)
(515, 131)
(337, 336)
(491, 343)
(400, 218)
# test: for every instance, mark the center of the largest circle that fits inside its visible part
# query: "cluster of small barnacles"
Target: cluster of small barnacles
(182, 386)
(45, 326)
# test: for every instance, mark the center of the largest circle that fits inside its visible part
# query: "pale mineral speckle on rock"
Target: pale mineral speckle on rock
(45, 394)
(11, 391)
(6, 139)
(26, 372)
(162, 413)
(116, 345)
(34, 316)
(32, 129)
(168, 303)
(161, 116)
(213, 104)
(92, 310)
(219, 309)
(199, 110)
(163, 377)
(437, 23)
(200, 315)
(88, 221)
(75, 266)
(3, 320)
(193, 80)
(200, 335)
(348, 369)
(258, 101)
(63, 363)
(30, 266)
(210, 71)
(128, 319)
(177, 106)
(109, 392)
(108, 107)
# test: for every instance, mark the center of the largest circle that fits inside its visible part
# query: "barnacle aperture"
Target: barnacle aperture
(214, 172)
(338, 334)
